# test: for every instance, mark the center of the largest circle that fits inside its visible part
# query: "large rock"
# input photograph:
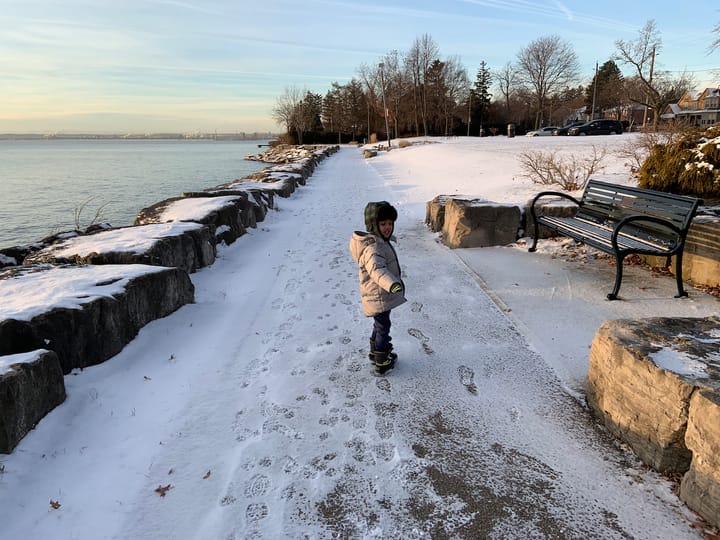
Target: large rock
(187, 246)
(641, 377)
(547, 206)
(85, 314)
(31, 385)
(700, 487)
(701, 259)
(224, 214)
(478, 223)
(435, 212)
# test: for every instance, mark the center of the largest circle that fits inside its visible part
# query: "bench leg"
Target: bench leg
(618, 277)
(678, 275)
(535, 237)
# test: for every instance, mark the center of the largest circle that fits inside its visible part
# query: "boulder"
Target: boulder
(223, 213)
(701, 259)
(700, 487)
(187, 246)
(85, 314)
(31, 385)
(641, 377)
(435, 213)
(479, 223)
(547, 206)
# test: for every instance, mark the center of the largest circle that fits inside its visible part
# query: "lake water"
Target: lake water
(43, 183)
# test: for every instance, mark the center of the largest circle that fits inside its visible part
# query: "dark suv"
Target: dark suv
(564, 130)
(598, 127)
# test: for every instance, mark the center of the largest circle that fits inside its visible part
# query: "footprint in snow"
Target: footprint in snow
(467, 377)
(417, 334)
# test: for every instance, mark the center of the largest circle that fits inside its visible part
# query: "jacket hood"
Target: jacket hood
(358, 242)
(378, 211)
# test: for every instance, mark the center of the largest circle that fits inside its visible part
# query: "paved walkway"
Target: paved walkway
(471, 436)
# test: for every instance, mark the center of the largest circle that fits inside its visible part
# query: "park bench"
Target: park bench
(622, 220)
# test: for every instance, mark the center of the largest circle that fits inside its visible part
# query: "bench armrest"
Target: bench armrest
(652, 219)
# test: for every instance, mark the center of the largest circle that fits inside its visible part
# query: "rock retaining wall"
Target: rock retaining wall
(31, 385)
(168, 241)
(655, 384)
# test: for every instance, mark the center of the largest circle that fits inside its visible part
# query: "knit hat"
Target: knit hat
(378, 211)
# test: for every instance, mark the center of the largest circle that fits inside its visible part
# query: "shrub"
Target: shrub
(690, 165)
(571, 173)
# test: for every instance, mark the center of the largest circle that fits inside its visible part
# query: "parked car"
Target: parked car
(564, 130)
(598, 127)
(542, 132)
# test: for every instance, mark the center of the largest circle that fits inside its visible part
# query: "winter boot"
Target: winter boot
(371, 355)
(383, 362)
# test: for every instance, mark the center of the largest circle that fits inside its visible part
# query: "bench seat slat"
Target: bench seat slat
(599, 236)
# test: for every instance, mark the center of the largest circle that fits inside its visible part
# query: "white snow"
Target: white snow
(254, 413)
(9, 360)
(136, 240)
(194, 208)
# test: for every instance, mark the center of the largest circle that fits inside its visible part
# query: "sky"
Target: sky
(220, 65)
(254, 412)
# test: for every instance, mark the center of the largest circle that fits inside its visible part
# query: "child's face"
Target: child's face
(386, 227)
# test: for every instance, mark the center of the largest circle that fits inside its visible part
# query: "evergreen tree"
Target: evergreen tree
(480, 97)
(606, 89)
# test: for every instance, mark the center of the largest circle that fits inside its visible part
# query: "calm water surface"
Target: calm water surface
(44, 182)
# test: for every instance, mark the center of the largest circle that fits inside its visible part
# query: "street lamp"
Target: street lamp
(382, 82)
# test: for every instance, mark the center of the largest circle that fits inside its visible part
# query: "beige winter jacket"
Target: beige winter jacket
(378, 270)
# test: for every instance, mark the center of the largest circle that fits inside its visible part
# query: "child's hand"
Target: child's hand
(396, 288)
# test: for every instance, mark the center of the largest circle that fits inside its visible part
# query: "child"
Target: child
(381, 287)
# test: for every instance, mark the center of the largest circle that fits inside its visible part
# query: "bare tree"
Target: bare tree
(547, 65)
(659, 88)
(506, 79)
(715, 44)
(423, 53)
(285, 109)
(394, 81)
(457, 88)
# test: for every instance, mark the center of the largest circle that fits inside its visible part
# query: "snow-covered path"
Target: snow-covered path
(283, 431)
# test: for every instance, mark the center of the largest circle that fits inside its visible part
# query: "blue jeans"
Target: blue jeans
(381, 331)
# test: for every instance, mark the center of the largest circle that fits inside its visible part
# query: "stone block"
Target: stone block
(188, 246)
(641, 377)
(224, 213)
(478, 223)
(547, 206)
(701, 259)
(96, 311)
(700, 487)
(435, 213)
(31, 385)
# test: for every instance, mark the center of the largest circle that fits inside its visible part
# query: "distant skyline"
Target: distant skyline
(220, 65)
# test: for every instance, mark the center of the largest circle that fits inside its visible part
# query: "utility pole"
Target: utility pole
(469, 109)
(382, 82)
(592, 113)
(652, 65)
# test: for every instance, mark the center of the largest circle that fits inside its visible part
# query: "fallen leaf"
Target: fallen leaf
(54, 504)
(162, 490)
(207, 475)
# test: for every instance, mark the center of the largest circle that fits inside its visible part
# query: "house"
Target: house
(697, 108)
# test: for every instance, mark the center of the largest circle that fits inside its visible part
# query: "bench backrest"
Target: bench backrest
(607, 204)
